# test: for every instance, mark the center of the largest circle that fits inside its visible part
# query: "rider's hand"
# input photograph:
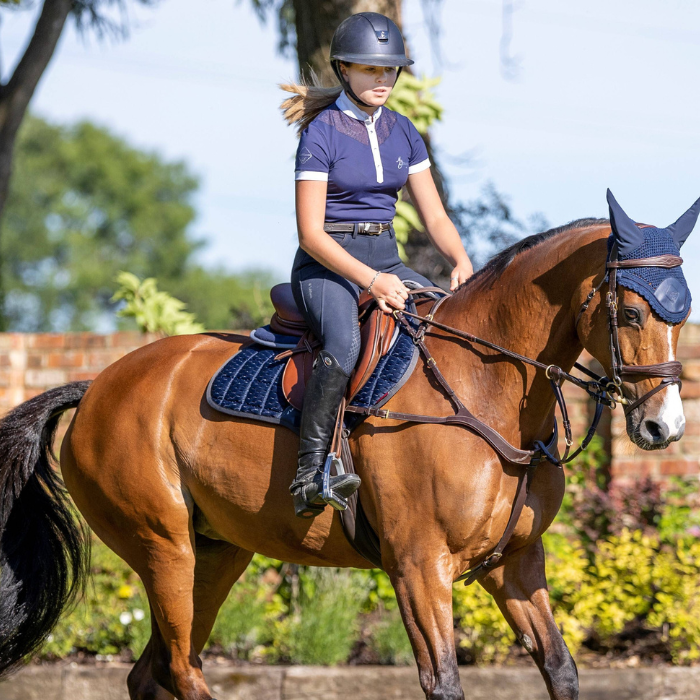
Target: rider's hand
(389, 291)
(461, 273)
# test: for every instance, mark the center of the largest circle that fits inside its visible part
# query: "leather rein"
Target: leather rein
(603, 390)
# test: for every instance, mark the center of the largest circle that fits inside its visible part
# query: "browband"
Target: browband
(667, 261)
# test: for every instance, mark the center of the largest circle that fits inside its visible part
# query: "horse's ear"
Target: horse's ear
(627, 235)
(684, 226)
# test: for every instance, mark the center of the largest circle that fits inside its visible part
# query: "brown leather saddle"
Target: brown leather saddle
(376, 332)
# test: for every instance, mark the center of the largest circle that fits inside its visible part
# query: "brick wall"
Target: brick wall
(31, 363)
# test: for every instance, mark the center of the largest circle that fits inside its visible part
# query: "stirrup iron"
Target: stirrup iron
(327, 494)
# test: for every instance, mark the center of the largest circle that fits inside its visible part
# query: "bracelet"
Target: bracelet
(369, 289)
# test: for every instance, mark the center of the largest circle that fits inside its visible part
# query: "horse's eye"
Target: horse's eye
(632, 315)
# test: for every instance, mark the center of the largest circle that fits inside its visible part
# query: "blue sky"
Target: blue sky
(606, 96)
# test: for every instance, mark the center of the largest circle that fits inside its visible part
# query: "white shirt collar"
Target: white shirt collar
(347, 106)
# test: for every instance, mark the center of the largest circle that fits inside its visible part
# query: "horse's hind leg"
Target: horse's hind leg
(519, 587)
(166, 567)
(218, 565)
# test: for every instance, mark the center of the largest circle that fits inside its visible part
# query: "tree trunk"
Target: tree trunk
(316, 21)
(17, 92)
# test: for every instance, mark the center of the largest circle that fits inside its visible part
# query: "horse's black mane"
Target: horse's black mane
(495, 267)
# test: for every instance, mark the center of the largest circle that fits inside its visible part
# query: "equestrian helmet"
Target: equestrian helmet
(369, 39)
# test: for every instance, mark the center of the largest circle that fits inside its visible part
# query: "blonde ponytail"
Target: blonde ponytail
(307, 103)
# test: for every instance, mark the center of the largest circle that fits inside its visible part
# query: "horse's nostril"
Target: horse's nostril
(656, 432)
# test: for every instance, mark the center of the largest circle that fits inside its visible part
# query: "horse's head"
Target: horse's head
(634, 331)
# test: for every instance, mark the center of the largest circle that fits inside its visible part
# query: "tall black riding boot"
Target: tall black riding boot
(322, 398)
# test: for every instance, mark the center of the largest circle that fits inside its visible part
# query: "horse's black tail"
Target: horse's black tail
(44, 550)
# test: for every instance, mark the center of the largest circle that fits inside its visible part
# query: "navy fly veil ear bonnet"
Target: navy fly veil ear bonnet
(664, 288)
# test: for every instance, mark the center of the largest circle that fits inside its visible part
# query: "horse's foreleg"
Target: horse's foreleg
(519, 587)
(424, 592)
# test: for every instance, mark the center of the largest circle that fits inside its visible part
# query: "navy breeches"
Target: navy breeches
(328, 302)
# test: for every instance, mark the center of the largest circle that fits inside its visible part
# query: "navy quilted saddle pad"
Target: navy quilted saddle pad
(250, 383)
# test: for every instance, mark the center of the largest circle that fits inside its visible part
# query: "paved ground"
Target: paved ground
(65, 682)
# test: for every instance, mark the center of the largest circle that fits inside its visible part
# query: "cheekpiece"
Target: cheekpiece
(665, 289)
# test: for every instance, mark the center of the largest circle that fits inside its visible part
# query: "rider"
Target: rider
(354, 156)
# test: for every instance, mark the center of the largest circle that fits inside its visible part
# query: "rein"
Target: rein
(604, 390)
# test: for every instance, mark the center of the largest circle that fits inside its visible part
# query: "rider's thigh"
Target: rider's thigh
(328, 303)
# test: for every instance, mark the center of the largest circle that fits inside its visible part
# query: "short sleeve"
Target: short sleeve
(312, 161)
(419, 160)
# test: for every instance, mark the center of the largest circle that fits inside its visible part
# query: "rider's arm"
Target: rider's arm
(440, 229)
(311, 211)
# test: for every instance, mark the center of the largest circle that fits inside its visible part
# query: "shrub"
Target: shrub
(243, 622)
(567, 574)
(619, 587)
(390, 641)
(323, 628)
(112, 618)
(486, 636)
(676, 609)
(154, 311)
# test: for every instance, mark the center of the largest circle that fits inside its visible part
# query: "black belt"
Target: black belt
(359, 227)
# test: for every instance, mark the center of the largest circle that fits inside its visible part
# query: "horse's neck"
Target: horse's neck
(529, 309)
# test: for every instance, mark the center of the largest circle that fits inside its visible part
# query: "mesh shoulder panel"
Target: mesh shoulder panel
(344, 124)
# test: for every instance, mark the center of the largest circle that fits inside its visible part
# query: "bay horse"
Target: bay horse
(186, 495)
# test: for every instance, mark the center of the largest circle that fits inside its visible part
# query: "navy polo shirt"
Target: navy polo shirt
(365, 160)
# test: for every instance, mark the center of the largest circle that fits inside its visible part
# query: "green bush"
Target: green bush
(112, 618)
(154, 311)
(487, 637)
(323, 627)
(390, 641)
(244, 621)
(676, 608)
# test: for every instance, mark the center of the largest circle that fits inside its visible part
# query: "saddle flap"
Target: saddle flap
(375, 334)
(298, 370)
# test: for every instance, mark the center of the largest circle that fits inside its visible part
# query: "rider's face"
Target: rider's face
(372, 84)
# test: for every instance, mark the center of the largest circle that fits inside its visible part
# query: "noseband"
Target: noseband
(668, 372)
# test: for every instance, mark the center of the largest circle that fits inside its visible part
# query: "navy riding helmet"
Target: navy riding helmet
(664, 288)
(370, 39)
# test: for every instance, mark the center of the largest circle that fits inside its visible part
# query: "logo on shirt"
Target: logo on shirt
(305, 155)
(400, 162)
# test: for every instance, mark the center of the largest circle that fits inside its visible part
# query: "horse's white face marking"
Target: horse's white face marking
(671, 411)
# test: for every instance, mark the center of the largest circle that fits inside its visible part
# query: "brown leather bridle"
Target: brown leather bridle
(604, 390)
(668, 372)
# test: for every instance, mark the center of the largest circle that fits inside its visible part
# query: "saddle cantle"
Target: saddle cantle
(377, 331)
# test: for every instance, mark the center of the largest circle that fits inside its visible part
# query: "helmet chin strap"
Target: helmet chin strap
(346, 85)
